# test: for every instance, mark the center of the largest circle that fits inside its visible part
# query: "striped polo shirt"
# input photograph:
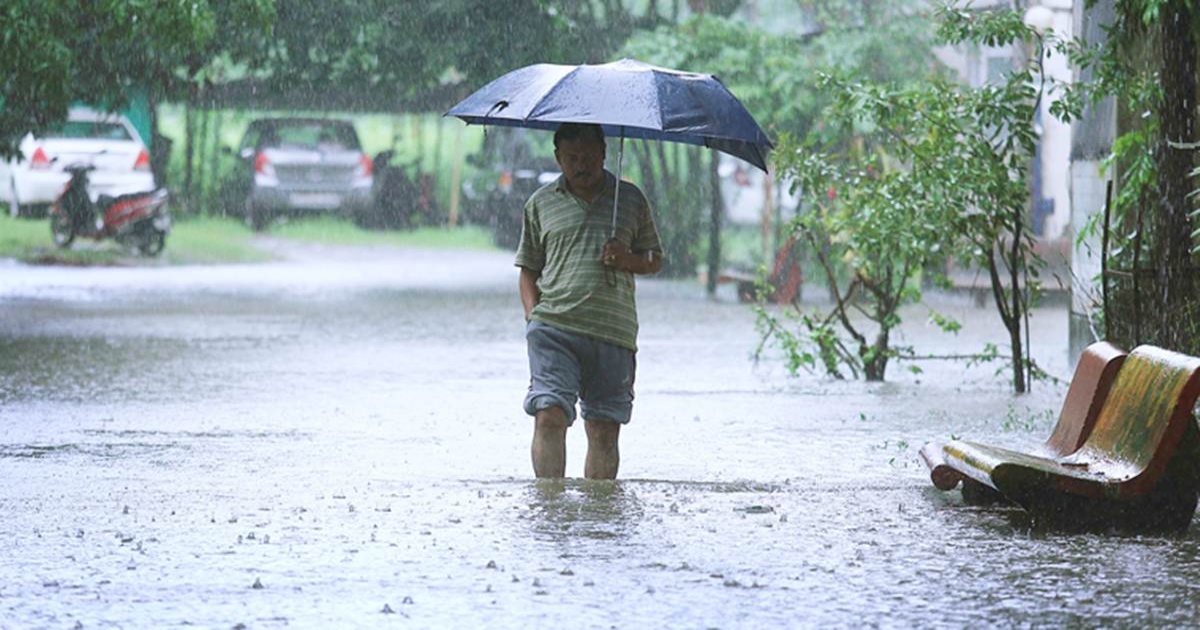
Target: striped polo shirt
(562, 238)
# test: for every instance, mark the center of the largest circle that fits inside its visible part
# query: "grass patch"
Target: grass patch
(191, 241)
(331, 231)
(18, 235)
(210, 240)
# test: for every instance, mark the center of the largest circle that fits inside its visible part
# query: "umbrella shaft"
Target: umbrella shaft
(617, 190)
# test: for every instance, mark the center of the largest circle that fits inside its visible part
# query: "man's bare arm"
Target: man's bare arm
(530, 295)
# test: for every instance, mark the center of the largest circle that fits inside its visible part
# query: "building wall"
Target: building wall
(979, 65)
(1056, 135)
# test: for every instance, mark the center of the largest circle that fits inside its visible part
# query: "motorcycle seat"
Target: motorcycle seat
(107, 201)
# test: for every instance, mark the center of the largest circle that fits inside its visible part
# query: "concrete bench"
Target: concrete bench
(1138, 468)
(1094, 374)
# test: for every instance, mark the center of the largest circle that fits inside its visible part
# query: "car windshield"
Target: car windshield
(318, 136)
(90, 130)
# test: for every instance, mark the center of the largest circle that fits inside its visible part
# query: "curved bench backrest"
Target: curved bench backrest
(1144, 416)
(1094, 375)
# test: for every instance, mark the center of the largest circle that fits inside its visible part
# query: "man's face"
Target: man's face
(582, 162)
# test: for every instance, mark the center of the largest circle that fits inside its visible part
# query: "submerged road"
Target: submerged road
(336, 440)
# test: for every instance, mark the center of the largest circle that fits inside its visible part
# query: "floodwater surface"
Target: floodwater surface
(339, 442)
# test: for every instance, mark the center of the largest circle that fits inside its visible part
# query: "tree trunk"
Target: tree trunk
(214, 165)
(436, 170)
(714, 224)
(1174, 176)
(1009, 314)
(189, 146)
(1016, 264)
(646, 165)
(200, 181)
(875, 369)
(1020, 385)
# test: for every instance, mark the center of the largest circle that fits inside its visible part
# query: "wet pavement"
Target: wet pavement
(337, 440)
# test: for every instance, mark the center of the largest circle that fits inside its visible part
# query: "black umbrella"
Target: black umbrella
(628, 99)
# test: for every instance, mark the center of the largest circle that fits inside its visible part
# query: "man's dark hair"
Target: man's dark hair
(575, 131)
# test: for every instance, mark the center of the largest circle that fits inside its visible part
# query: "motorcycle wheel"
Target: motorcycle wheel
(151, 241)
(62, 229)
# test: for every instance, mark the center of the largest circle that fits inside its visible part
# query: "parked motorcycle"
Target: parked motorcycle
(400, 202)
(137, 219)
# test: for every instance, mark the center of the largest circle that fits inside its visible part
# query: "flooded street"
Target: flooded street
(337, 441)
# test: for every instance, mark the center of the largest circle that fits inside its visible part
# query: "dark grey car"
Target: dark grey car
(298, 166)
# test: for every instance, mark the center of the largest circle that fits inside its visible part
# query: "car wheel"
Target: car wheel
(61, 229)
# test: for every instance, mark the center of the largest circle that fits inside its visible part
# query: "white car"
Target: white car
(106, 141)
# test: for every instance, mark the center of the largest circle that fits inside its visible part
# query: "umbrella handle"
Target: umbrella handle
(610, 276)
(617, 189)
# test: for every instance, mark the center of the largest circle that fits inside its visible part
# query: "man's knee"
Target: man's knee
(603, 432)
(551, 419)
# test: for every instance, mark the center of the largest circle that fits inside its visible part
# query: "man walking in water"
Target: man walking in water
(577, 287)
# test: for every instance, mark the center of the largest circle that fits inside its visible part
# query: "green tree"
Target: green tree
(404, 47)
(776, 76)
(412, 47)
(878, 217)
(53, 54)
(935, 170)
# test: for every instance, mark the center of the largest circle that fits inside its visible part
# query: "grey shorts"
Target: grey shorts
(565, 367)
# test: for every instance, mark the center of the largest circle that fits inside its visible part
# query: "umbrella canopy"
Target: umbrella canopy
(627, 98)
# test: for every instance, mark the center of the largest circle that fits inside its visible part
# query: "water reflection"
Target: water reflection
(563, 510)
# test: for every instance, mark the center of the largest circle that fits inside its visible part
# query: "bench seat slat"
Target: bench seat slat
(1008, 470)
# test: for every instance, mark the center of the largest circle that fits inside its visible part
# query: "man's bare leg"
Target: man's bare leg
(603, 457)
(549, 448)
